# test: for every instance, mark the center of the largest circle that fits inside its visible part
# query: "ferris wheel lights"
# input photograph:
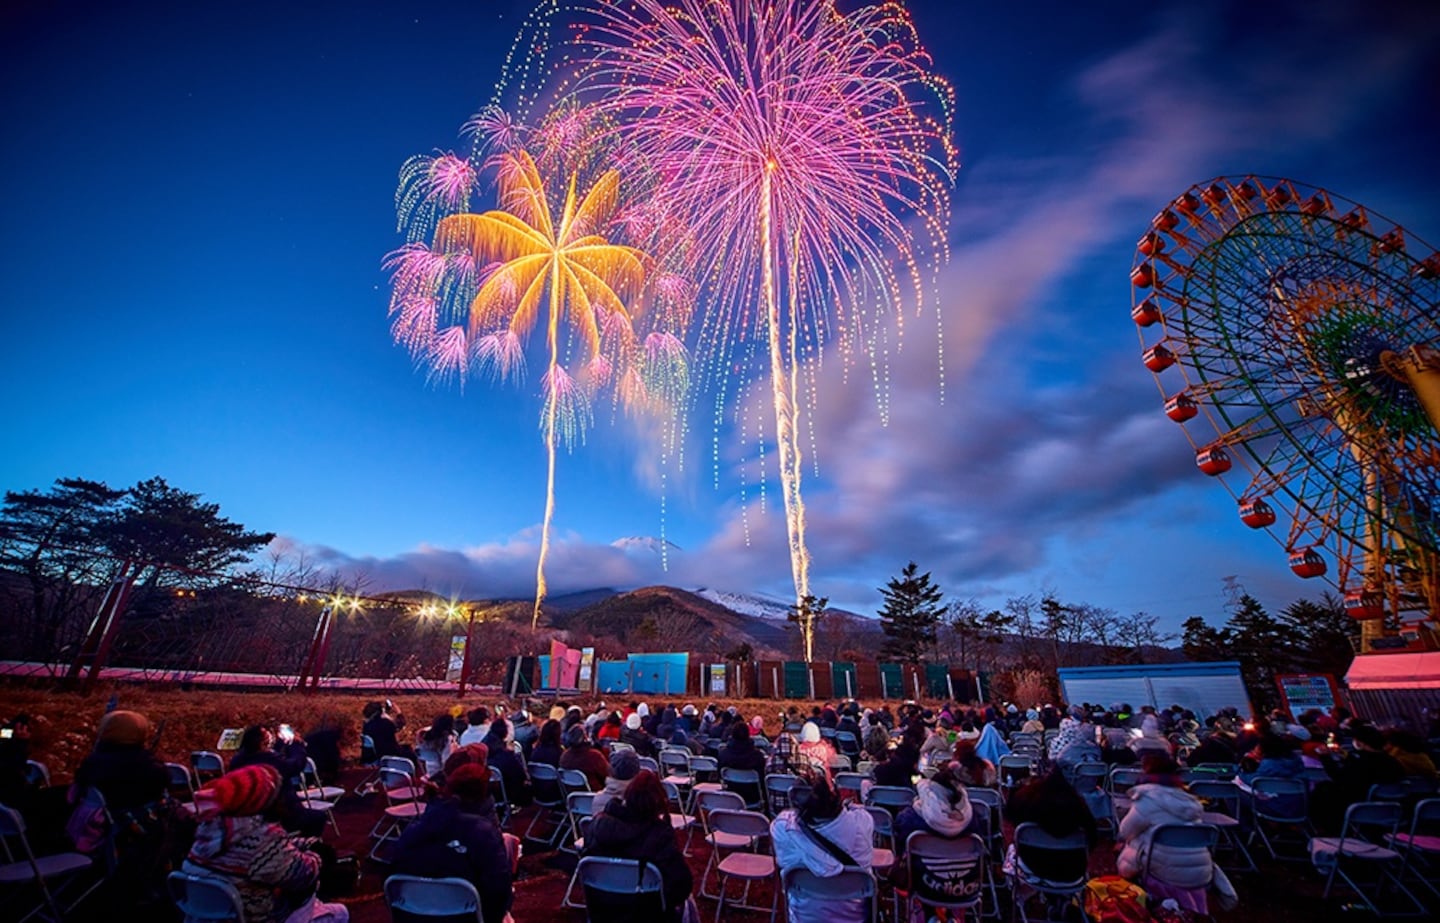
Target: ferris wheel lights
(1256, 513)
(1213, 461)
(1317, 204)
(1157, 358)
(1151, 244)
(1181, 408)
(1307, 563)
(1143, 276)
(1364, 605)
(1146, 313)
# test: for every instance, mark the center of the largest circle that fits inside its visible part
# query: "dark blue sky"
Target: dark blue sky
(199, 196)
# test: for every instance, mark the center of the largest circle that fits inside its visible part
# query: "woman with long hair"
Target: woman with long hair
(636, 825)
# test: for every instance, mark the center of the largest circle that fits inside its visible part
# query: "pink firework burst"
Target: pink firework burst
(452, 179)
(449, 354)
(495, 130)
(501, 354)
(414, 322)
(414, 268)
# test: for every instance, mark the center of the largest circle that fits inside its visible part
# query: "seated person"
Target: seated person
(904, 762)
(942, 807)
(973, 769)
(259, 746)
(239, 842)
(826, 836)
(580, 754)
(383, 722)
(814, 750)
(636, 736)
(1181, 873)
(1352, 776)
(741, 753)
(636, 825)
(547, 748)
(1051, 802)
(512, 770)
(458, 837)
(624, 767)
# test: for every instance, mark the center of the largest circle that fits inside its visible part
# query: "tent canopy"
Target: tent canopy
(1395, 671)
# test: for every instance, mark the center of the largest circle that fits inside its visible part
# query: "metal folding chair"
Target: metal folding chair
(777, 791)
(1031, 842)
(1179, 836)
(1281, 804)
(945, 873)
(1368, 824)
(411, 897)
(205, 900)
(313, 786)
(849, 885)
(1222, 801)
(37, 774)
(206, 765)
(400, 809)
(746, 784)
(620, 890)
(747, 865)
(707, 802)
(893, 798)
(549, 802)
(578, 806)
(22, 866)
(502, 798)
(1420, 846)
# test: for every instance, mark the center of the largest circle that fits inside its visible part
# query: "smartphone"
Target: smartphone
(287, 733)
(6, 733)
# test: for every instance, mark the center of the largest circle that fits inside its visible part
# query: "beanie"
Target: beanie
(633, 722)
(468, 755)
(810, 733)
(575, 736)
(124, 728)
(624, 765)
(467, 781)
(240, 792)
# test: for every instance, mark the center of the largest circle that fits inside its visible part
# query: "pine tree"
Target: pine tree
(807, 613)
(910, 616)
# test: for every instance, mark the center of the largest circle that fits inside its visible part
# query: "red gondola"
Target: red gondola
(1188, 203)
(1427, 268)
(1364, 605)
(1143, 276)
(1157, 358)
(1151, 244)
(1242, 193)
(1315, 205)
(1307, 563)
(1214, 195)
(1145, 313)
(1278, 196)
(1181, 408)
(1256, 513)
(1391, 241)
(1167, 221)
(1212, 461)
(1354, 221)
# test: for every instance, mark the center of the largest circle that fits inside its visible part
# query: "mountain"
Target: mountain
(644, 544)
(662, 618)
(764, 607)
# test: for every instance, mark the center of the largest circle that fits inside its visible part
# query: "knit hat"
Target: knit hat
(557, 713)
(575, 736)
(468, 755)
(1032, 714)
(688, 711)
(642, 710)
(474, 777)
(624, 765)
(810, 733)
(633, 722)
(757, 725)
(124, 728)
(240, 792)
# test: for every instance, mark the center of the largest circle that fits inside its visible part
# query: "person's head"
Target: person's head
(645, 796)
(467, 773)
(550, 733)
(499, 729)
(372, 709)
(613, 719)
(1368, 737)
(950, 787)
(1160, 769)
(810, 733)
(1275, 747)
(633, 721)
(815, 800)
(575, 737)
(121, 729)
(255, 739)
(740, 733)
(479, 716)
(624, 765)
(443, 726)
(757, 725)
(877, 740)
(255, 789)
(964, 753)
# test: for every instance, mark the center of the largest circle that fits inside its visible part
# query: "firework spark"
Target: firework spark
(796, 142)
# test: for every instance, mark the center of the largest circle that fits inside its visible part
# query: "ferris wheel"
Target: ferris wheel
(1293, 333)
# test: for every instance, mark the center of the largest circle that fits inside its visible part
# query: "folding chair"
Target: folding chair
(181, 786)
(893, 798)
(746, 784)
(500, 796)
(990, 800)
(549, 803)
(1033, 843)
(883, 856)
(620, 890)
(1180, 836)
(37, 774)
(849, 885)
(367, 750)
(705, 774)
(22, 866)
(777, 791)
(1421, 845)
(746, 866)
(707, 802)
(1282, 803)
(578, 806)
(1090, 781)
(679, 818)
(648, 762)
(847, 743)
(400, 809)
(315, 804)
(1014, 769)
(573, 781)
(840, 763)
(866, 768)
(1118, 784)
(1367, 825)
(205, 900)
(945, 873)
(1222, 799)
(411, 897)
(206, 765)
(850, 785)
(314, 788)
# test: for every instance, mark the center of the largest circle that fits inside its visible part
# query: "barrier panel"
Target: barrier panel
(868, 676)
(843, 681)
(937, 680)
(612, 676)
(770, 679)
(892, 681)
(658, 674)
(797, 679)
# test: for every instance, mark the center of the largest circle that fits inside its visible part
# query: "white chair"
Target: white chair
(849, 885)
(205, 900)
(1368, 824)
(578, 806)
(1222, 801)
(412, 897)
(705, 803)
(23, 867)
(883, 853)
(746, 784)
(948, 873)
(314, 788)
(747, 865)
(777, 791)
(620, 889)
(1277, 805)
(399, 811)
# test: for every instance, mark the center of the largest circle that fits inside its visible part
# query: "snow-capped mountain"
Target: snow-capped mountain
(764, 607)
(644, 544)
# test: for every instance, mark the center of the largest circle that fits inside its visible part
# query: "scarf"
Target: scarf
(932, 803)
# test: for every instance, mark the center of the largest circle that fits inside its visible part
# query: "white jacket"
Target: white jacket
(853, 830)
(1151, 806)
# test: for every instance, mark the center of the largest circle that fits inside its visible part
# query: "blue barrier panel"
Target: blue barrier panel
(543, 681)
(658, 674)
(612, 676)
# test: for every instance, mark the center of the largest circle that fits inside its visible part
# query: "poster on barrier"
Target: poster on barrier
(586, 680)
(457, 659)
(717, 679)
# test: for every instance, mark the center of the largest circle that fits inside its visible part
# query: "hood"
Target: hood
(1166, 804)
(622, 826)
(932, 803)
(214, 837)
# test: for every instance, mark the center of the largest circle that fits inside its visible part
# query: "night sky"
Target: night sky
(199, 195)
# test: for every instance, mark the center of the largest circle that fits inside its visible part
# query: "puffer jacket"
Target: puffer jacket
(619, 832)
(1151, 806)
(853, 830)
(272, 873)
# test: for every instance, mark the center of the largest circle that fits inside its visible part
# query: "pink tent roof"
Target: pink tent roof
(1395, 671)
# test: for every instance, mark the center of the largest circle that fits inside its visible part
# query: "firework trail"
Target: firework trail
(795, 144)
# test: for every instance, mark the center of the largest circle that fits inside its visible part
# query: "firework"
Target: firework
(795, 145)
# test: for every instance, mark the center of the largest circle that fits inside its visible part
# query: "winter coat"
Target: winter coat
(853, 830)
(273, 875)
(501, 757)
(643, 743)
(991, 745)
(619, 833)
(932, 812)
(901, 765)
(128, 777)
(588, 760)
(614, 789)
(548, 754)
(454, 839)
(1151, 805)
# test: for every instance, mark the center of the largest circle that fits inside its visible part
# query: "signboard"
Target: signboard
(457, 659)
(230, 739)
(1304, 691)
(587, 669)
(717, 679)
